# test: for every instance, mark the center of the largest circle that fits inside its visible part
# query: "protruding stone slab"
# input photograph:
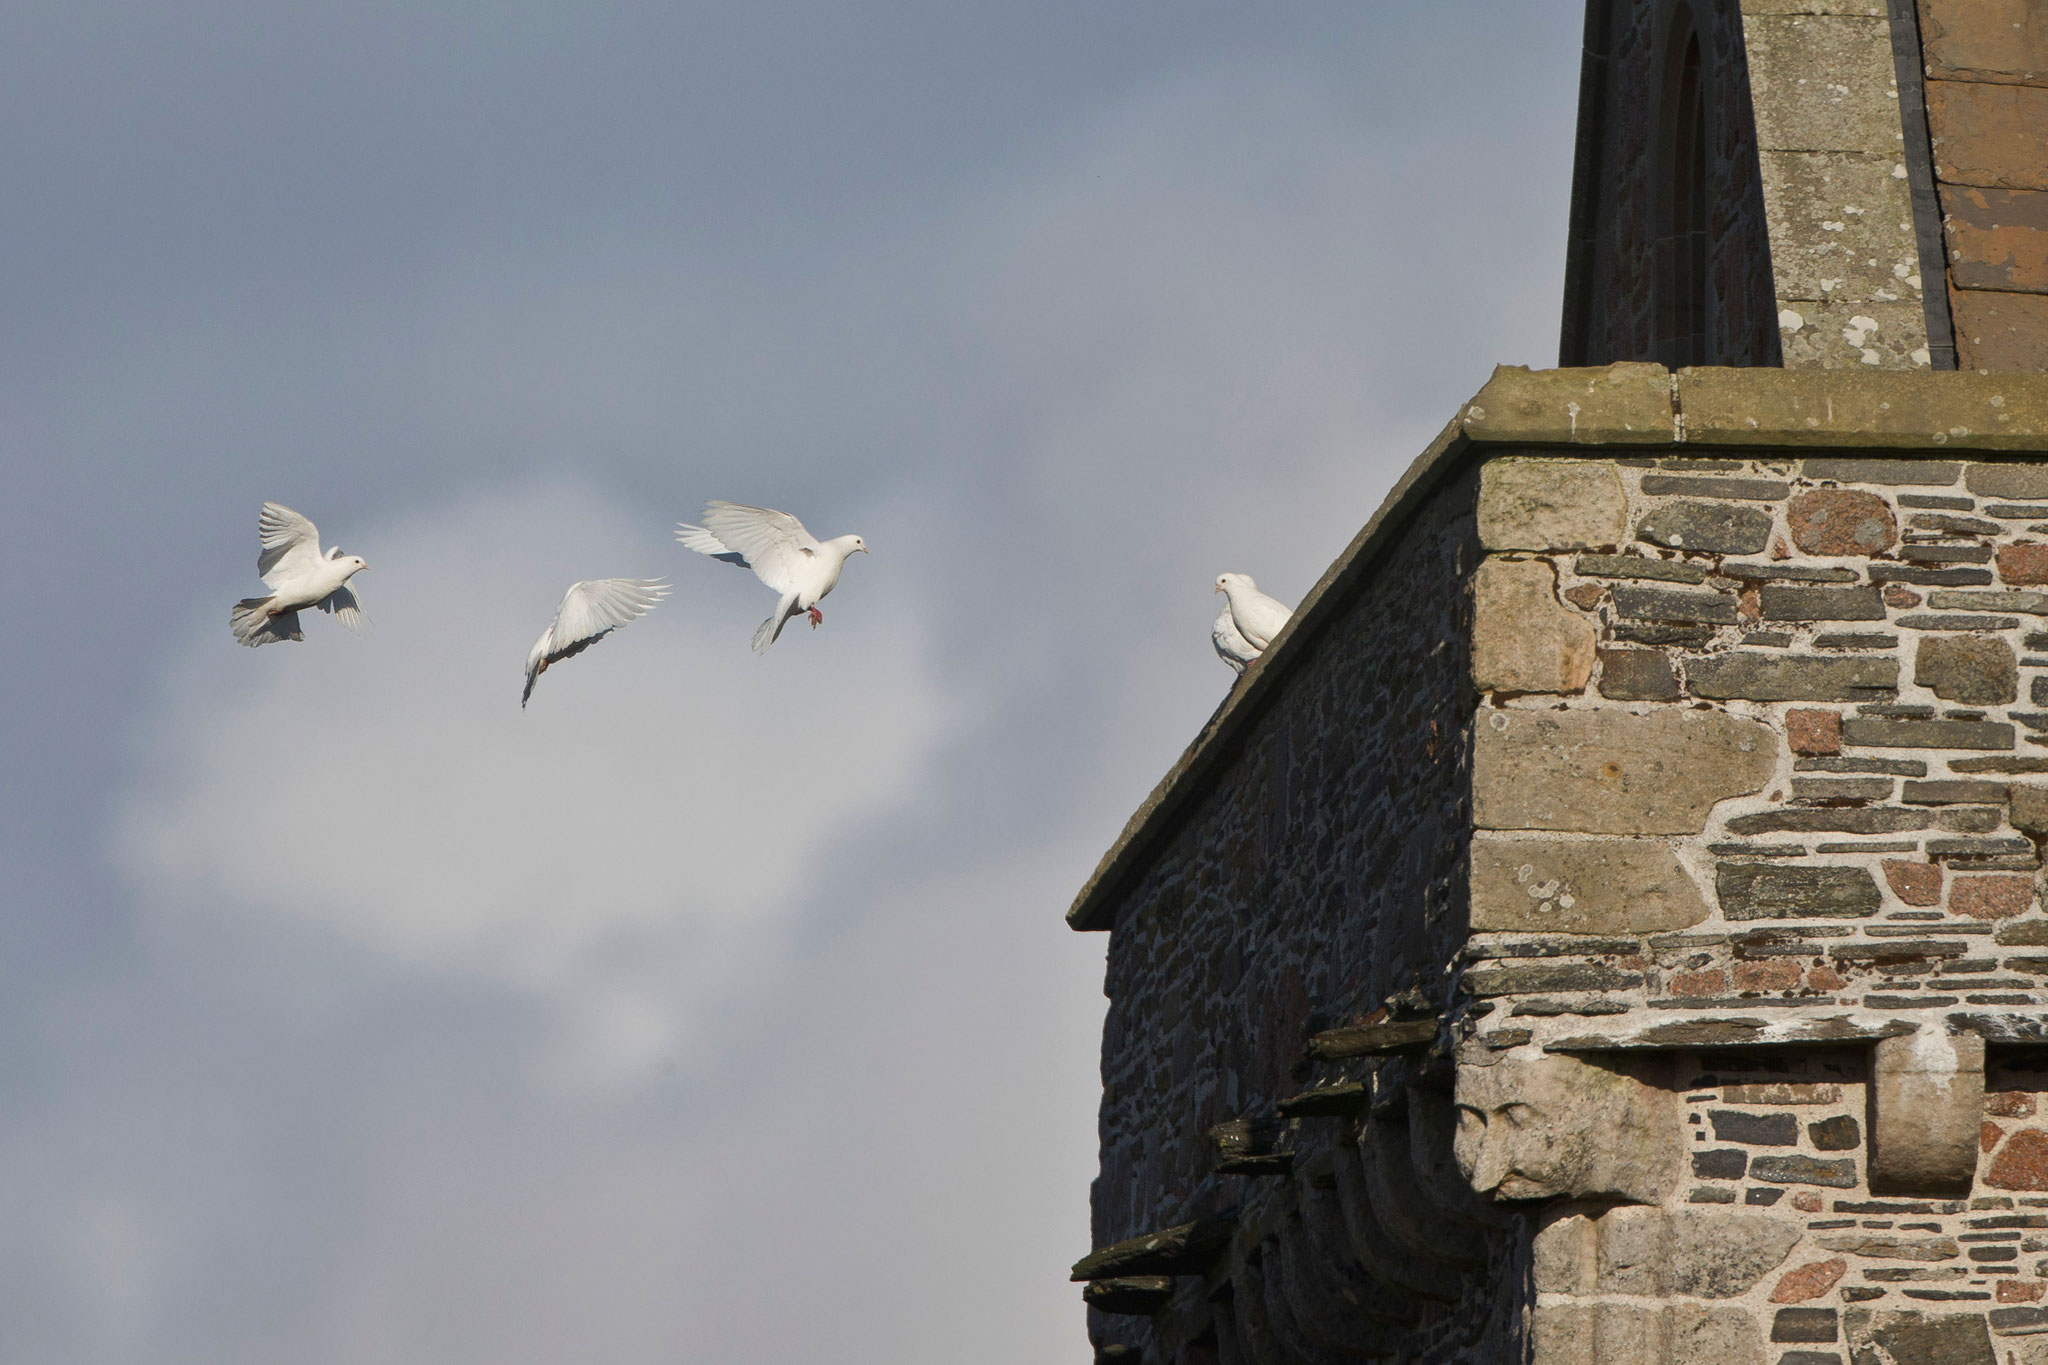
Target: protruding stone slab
(1603, 404)
(1604, 772)
(1373, 1040)
(1253, 1146)
(1180, 1250)
(1129, 1295)
(1537, 503)
(1927, 1101)
(1523, 638)
(1592, 886)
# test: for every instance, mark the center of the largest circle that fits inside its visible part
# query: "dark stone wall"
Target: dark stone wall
(1610, 296)
(1323, 872)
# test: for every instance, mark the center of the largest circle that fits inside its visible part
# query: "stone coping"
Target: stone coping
(1635, 405)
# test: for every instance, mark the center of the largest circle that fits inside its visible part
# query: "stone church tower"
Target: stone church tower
(1607, 924)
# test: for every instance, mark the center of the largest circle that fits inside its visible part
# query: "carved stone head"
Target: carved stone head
(1555, 1126)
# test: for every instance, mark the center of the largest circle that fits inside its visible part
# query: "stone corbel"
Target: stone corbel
(1926, 1102)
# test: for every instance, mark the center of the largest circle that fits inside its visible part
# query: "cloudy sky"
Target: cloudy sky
(716, 1008)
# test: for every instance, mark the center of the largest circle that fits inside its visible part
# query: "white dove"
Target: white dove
(590, 611)
(1257, 617)
(298, 576)
(1231, 647)
(781, 553)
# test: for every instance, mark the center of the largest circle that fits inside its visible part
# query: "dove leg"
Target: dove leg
(817, 618)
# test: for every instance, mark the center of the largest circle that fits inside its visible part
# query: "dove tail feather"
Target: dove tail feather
(253, 625)
(771, 629)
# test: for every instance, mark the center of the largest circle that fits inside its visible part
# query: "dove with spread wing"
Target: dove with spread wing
(782, 554)
(590, 610)
(298, 576)
(1258, 618)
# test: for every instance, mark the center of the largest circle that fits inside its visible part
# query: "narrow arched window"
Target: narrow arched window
(1679, 284)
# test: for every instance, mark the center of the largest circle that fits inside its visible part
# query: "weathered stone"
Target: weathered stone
(1782, 570)
(2029, 809)
(1758, 676)
(1958, 1339)
(1805, 1170)
(2026, 934)
(2023, 1165)
(1781, 603)
(1997, 239)
(1523, 639)
(1637, 633)
(1670, 1334)
(1339, 1099)
(1913, 882)
(1673, 604)
(1713, 528)
(2025, 564)
(1885, 733)
(1599, 886)
(1577, 1130)
(1954, 525)
(1635, 566)
(1178, 1250)
(1130, 1296)
(1637, 675)
(1926, 577)
(1838, 1134)
(1595, 404)
(2026, 603)
(1984, 40)
(1254, 1146)
(2000, 331)
(1724, 1163)
(1534, 977)
(1968, 669)
(1861, 820)
(1945, 552)
(1758, 891)
(1550, 504)
(1888, 1247)
(1809, 1281)
(1757, 1130)
(1952, 621)
(1782, 1092)
(2015, 1322)
(1609, 773)
(1991, 896)
(1806, 1324)
(1841, 521)
(1697, 1253)
(1813, 732)
(1372, 1040)
(1897, 767)
(2025, 480)
(1841, 788)
(1927, 1097)
(1888, 472)
(1752, 490)
(1991, 135)
(1954, 791)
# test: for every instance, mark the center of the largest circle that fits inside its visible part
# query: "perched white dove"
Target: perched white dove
(1257, 617)
(1231, 647)
(781, 553)
(590, 611)
(298, 576)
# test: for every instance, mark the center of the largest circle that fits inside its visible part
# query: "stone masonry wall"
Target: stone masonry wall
(1763, 758)
(1322, 872)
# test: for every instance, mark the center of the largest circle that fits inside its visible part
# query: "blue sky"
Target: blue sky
(717, 1007)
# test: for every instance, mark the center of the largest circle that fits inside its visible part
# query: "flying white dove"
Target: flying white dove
(781, 553)
(1257, 617)
(1231, 647)
(298, 576)
(590, 611)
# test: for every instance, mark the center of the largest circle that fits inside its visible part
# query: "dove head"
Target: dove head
(848, 546)
(1226, 581)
